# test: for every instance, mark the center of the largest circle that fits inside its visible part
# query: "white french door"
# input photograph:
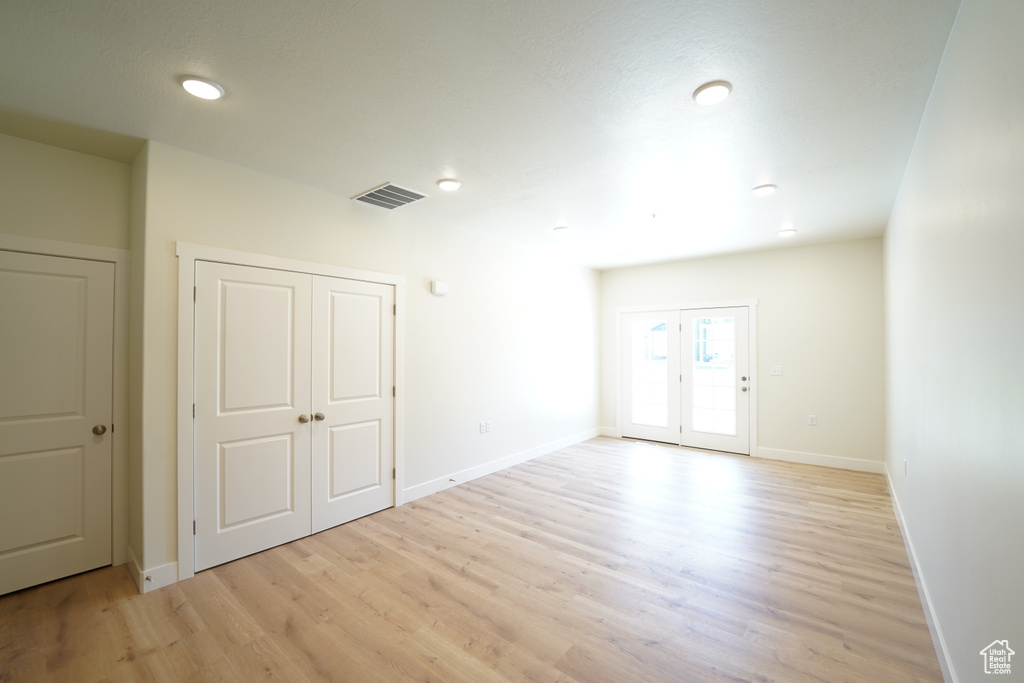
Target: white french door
(715, 385)
(686, 377)
(294, 406)
(650, 371)
(56, 384)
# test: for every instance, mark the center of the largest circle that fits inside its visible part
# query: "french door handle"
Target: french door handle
(303, 418)
(99, 430)
(744, 388)
(319, 417)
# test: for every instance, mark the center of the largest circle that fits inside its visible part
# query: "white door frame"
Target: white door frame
(750, 304)
(119, 437)
(188, 254)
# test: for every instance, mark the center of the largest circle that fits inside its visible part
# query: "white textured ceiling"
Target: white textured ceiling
(574, 110)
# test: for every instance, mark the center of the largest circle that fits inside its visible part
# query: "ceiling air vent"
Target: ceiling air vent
(389, 196)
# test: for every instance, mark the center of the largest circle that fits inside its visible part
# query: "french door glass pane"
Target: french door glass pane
(714, 375)
(650, 373)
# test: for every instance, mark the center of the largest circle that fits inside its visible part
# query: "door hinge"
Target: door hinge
(193, 294)
(393, 474)
(193, 410)
(394, 309)
(111, 427)
(680, 429)
(193, 527)
(394, 392)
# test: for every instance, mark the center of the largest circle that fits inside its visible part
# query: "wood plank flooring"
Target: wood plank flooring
(609, 561)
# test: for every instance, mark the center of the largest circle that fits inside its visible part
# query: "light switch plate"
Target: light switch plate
(776, 370)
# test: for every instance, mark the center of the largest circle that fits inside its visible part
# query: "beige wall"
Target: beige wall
(515, 342)
(819, 316)
(62, 197)
(954, 286)
(55, 194)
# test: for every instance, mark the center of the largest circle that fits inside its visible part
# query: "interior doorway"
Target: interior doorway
(56, 417)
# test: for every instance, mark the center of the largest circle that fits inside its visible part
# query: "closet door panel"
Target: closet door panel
(252, 383)
(353, 443)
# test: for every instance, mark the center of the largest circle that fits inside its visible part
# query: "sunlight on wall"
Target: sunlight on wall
(559, 383)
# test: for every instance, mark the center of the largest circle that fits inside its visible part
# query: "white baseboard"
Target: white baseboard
(446, 482)
(948, 672)
(611, 431)
(875, 466)
(150, 579)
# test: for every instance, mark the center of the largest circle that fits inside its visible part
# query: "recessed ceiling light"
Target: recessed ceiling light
(202, 87)
(764, 190)
(712, 93)
(449, 184)
(787, 232)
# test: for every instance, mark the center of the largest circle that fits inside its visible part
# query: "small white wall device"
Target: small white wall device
(438, 287)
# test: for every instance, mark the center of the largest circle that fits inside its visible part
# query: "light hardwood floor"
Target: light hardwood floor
(607, 561)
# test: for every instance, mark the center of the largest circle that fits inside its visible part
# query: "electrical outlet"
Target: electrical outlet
(483, 427)
(776, 371)
(488, 423)
(812, 420)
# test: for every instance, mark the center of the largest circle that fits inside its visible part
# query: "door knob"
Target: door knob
(743, 378)
(99, 430)
(303, 418)
(744, 388)
(318, 417)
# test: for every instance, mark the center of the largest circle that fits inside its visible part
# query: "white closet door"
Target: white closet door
(252, 387)
(353, 433)
(56, 349)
